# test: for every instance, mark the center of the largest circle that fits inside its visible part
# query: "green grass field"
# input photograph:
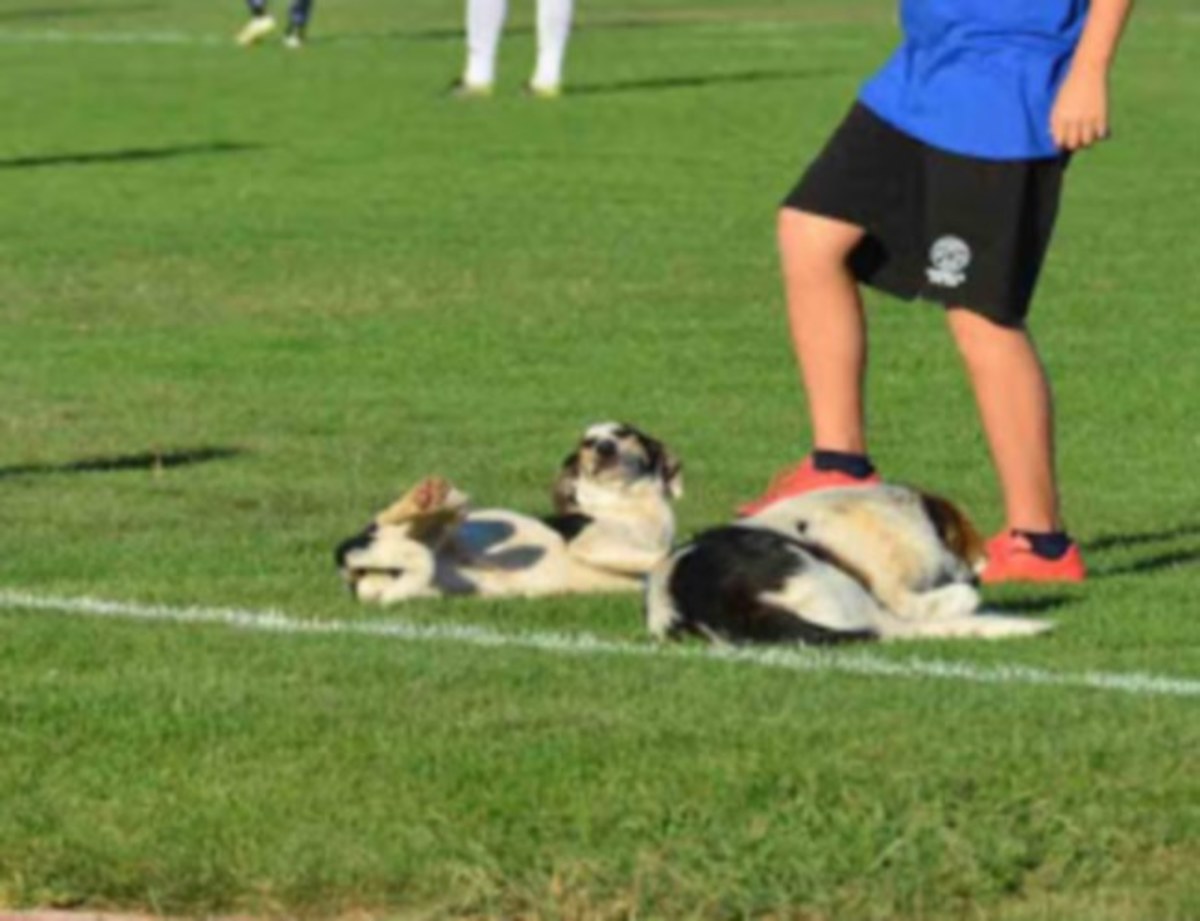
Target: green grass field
(303, 280)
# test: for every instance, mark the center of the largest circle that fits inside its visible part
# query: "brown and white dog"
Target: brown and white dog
(613, 523)
(837, 565)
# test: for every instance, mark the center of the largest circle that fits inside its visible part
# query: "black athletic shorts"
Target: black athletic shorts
(960, 231)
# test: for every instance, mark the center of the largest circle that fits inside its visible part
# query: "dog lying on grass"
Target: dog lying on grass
(613, 523)
(833, 566)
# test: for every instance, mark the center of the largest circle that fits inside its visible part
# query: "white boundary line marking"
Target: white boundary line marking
(707, 30)
(800, 660)
(65, 37)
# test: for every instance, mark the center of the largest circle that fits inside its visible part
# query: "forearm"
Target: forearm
(1102, 34)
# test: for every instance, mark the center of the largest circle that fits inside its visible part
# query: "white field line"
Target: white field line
(704, 30)
(64, 37)
(584, 644)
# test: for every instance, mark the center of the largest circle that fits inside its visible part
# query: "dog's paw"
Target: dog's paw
(949, 601)
(431, 495)
(958, 600)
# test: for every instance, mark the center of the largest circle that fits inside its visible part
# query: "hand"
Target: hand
(1080, 115)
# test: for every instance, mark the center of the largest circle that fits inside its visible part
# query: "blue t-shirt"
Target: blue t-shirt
(979, 77)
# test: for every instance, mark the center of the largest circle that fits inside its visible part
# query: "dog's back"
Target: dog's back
(891, 536)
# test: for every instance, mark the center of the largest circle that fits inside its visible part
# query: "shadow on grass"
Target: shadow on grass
(1157, 561)
(1111, 541)
(634, 23)
(1042, 604)
(692, 81)
(71, 12)
(1175, 560)
(129, 155)
(145, 460)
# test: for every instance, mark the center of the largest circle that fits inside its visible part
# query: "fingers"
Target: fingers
(1058, 132)
(1073, 134)
(1092, 132)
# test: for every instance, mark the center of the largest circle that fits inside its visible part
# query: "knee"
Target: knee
(979, 337)
(988, 348)
(811, 245)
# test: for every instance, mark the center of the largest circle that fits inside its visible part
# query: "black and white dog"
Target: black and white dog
(832, 566)
(613, 523)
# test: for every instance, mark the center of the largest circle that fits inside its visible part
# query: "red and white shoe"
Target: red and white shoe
(1010, 558)
(802, 478)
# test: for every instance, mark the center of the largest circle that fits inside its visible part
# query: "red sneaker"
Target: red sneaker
(1010, 558)
(802, 478)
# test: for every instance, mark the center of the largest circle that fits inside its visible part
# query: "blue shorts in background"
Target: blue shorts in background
(979, 77)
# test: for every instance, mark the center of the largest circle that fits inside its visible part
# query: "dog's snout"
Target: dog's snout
(606, 448)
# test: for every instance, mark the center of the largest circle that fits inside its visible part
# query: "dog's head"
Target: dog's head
(955, 530)
(616, 456)
(382, 564)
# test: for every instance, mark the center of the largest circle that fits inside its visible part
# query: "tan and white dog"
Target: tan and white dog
(613, 523)
(836, 565)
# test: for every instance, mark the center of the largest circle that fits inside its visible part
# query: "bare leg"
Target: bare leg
(1016, 407)
(828, 330)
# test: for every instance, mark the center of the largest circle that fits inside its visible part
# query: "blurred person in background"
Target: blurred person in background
(262, 24)
(485, 23)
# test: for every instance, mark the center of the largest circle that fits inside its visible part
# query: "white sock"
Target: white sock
(553, 31)
(485, 22)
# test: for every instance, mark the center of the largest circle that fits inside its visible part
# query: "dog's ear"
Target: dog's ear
(954, 528)
(563, 494)
(671, 469)
(360, 541)
(664, 464)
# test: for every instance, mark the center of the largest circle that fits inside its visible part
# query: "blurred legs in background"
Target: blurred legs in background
(262, 23)
(553, 32)
(485, 23)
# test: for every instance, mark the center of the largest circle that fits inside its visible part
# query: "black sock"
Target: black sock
(1049, 545)
(856, 465)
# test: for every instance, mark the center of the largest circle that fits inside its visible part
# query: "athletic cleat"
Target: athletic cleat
(293, 41)
(535, 91)
(461, 89)
(1010, 558)
(255, 31)
(802, 478)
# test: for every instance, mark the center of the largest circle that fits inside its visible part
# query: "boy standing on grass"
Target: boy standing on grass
(943, 183)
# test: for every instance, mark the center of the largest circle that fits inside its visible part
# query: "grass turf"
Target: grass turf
(310, 278)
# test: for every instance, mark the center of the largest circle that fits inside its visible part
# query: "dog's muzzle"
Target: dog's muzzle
(606, 454)
(355, 575)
